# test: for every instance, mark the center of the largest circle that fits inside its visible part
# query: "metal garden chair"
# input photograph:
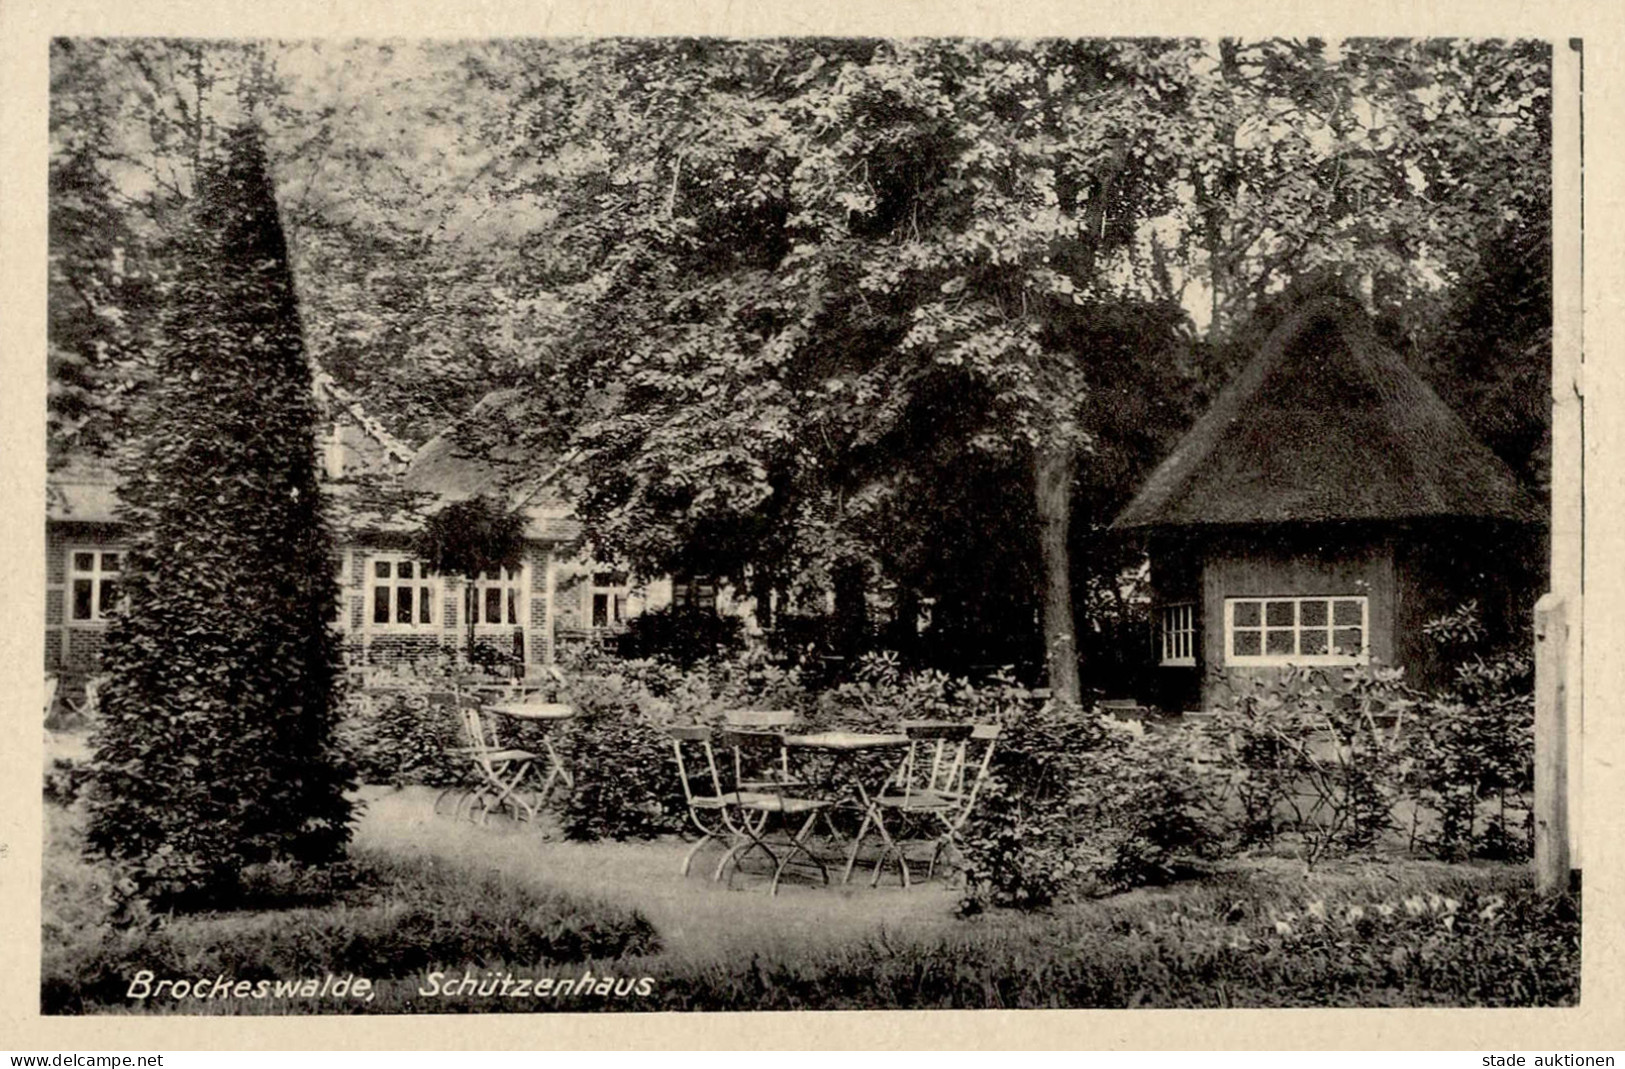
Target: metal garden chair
(753, 809)
(935, 790)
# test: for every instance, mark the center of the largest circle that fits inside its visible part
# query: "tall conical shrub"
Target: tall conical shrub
(216, 749)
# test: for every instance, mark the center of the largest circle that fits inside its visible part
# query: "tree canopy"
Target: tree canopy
(839, 314)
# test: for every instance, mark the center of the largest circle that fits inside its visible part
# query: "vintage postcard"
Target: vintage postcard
(618, 523)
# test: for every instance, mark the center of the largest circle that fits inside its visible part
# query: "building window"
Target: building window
(1277, 631)
(496, 597)
(1179, 634)
(609, 592)
(403, 593)
(699, 592)
(93, 576)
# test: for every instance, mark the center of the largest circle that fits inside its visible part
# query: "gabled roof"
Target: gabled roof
(84, 491)
(444, 469)
(330, 393)
(1328, 423)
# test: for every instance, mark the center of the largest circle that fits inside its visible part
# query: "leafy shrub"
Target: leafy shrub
(401, 737)
(1322, 759)
(626, 784)
(1470, 755)
(1311, 755)
(681, 634)
(1079, 804)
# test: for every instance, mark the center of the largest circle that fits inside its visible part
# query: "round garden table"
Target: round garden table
(546, 714)
(850, 744)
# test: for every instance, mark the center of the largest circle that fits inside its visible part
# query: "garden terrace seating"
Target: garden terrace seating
(752, 751)
(501, 774)
(708, 804)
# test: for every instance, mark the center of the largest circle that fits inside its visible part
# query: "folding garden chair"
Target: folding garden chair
(753, 751)
(709, 807)
(73, 712)
(51, 683)
(765, 720)
(500, 775)
(926, 792)
(978, 761)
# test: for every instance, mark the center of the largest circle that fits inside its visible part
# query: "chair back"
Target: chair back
(93, 695)
(759, 719)
(482, 740)
(936, 756)
(51, 683)
(758, 757)
(697, 736)
(765, 720)
(987, 736)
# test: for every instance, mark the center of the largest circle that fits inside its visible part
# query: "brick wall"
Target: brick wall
(73, 650)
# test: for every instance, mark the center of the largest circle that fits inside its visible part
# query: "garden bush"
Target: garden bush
(626, 784)
(1329, 761)
(403, 737)
(681, 634)
(1311, 756)
(1079, 804)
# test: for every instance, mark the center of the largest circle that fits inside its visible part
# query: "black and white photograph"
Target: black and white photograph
(634, 524)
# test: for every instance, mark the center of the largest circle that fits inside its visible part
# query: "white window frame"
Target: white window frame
(515, 583)
(1178, 634)
(615, 595)
(96, 576)
(1264, 659)
(424, 582)
(695, 585)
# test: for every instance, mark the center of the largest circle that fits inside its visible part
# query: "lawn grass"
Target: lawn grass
(378, 917)
(1256, 932)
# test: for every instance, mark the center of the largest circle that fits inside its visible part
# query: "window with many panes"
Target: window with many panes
(1179, 634)
(1317, 630)
(403, 593)
(93, 576)
(496, 597)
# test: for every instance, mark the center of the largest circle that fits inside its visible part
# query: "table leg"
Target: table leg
(872, 815)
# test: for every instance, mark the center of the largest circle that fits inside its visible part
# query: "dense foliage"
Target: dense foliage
(835, 316)
(215, 745)
(681, 634)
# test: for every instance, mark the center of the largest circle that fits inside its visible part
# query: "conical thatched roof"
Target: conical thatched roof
(1327, 423)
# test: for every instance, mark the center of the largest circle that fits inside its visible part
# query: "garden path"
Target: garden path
(692, 913)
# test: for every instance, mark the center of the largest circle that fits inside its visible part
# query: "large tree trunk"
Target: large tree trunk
(851, 608)
(1052, 485)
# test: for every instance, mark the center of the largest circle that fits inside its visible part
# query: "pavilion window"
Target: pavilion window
(1179, 634)
(497, 597)
(93, 587)
(1297, 630)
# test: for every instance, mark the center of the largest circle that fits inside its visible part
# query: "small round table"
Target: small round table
(852, 742)
(545, 713)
